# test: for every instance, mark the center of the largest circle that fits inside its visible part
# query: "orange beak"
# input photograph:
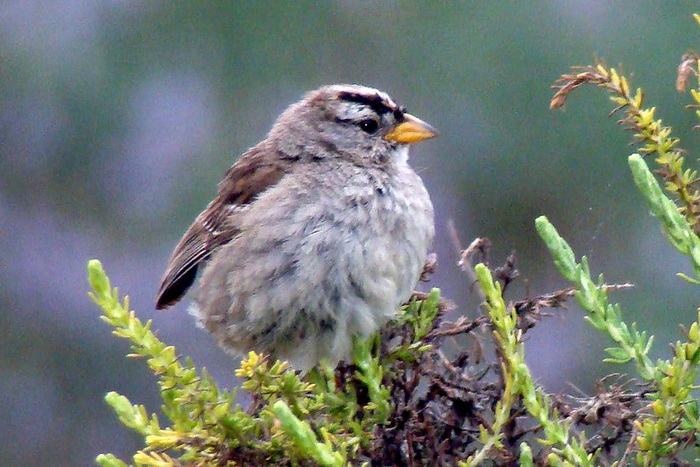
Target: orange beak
(411, 130)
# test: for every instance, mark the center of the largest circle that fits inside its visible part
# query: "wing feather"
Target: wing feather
(255, 172)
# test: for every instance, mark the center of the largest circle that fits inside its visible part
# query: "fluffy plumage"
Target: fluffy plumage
(317, 234)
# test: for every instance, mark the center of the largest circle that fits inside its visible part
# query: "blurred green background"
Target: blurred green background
(118, 119)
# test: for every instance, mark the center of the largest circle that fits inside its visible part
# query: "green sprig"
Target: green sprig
(304, 437)
(592, 296)
(518, 382)
(677, 229)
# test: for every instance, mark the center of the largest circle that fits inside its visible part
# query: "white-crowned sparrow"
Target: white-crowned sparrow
(317, 234)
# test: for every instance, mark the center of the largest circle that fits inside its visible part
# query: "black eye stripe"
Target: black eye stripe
(373, 101)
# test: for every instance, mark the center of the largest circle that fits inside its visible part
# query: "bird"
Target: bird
(316, 235)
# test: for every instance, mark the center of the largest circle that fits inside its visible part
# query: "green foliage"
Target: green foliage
(679, 232)
(671, 424)
(632, 345)
(652, 136)
(207, 426)
(674, 409)
(518, 382)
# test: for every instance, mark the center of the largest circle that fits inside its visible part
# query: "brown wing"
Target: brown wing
(256, 171)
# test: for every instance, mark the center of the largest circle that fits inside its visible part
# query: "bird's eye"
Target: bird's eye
(369, 126)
